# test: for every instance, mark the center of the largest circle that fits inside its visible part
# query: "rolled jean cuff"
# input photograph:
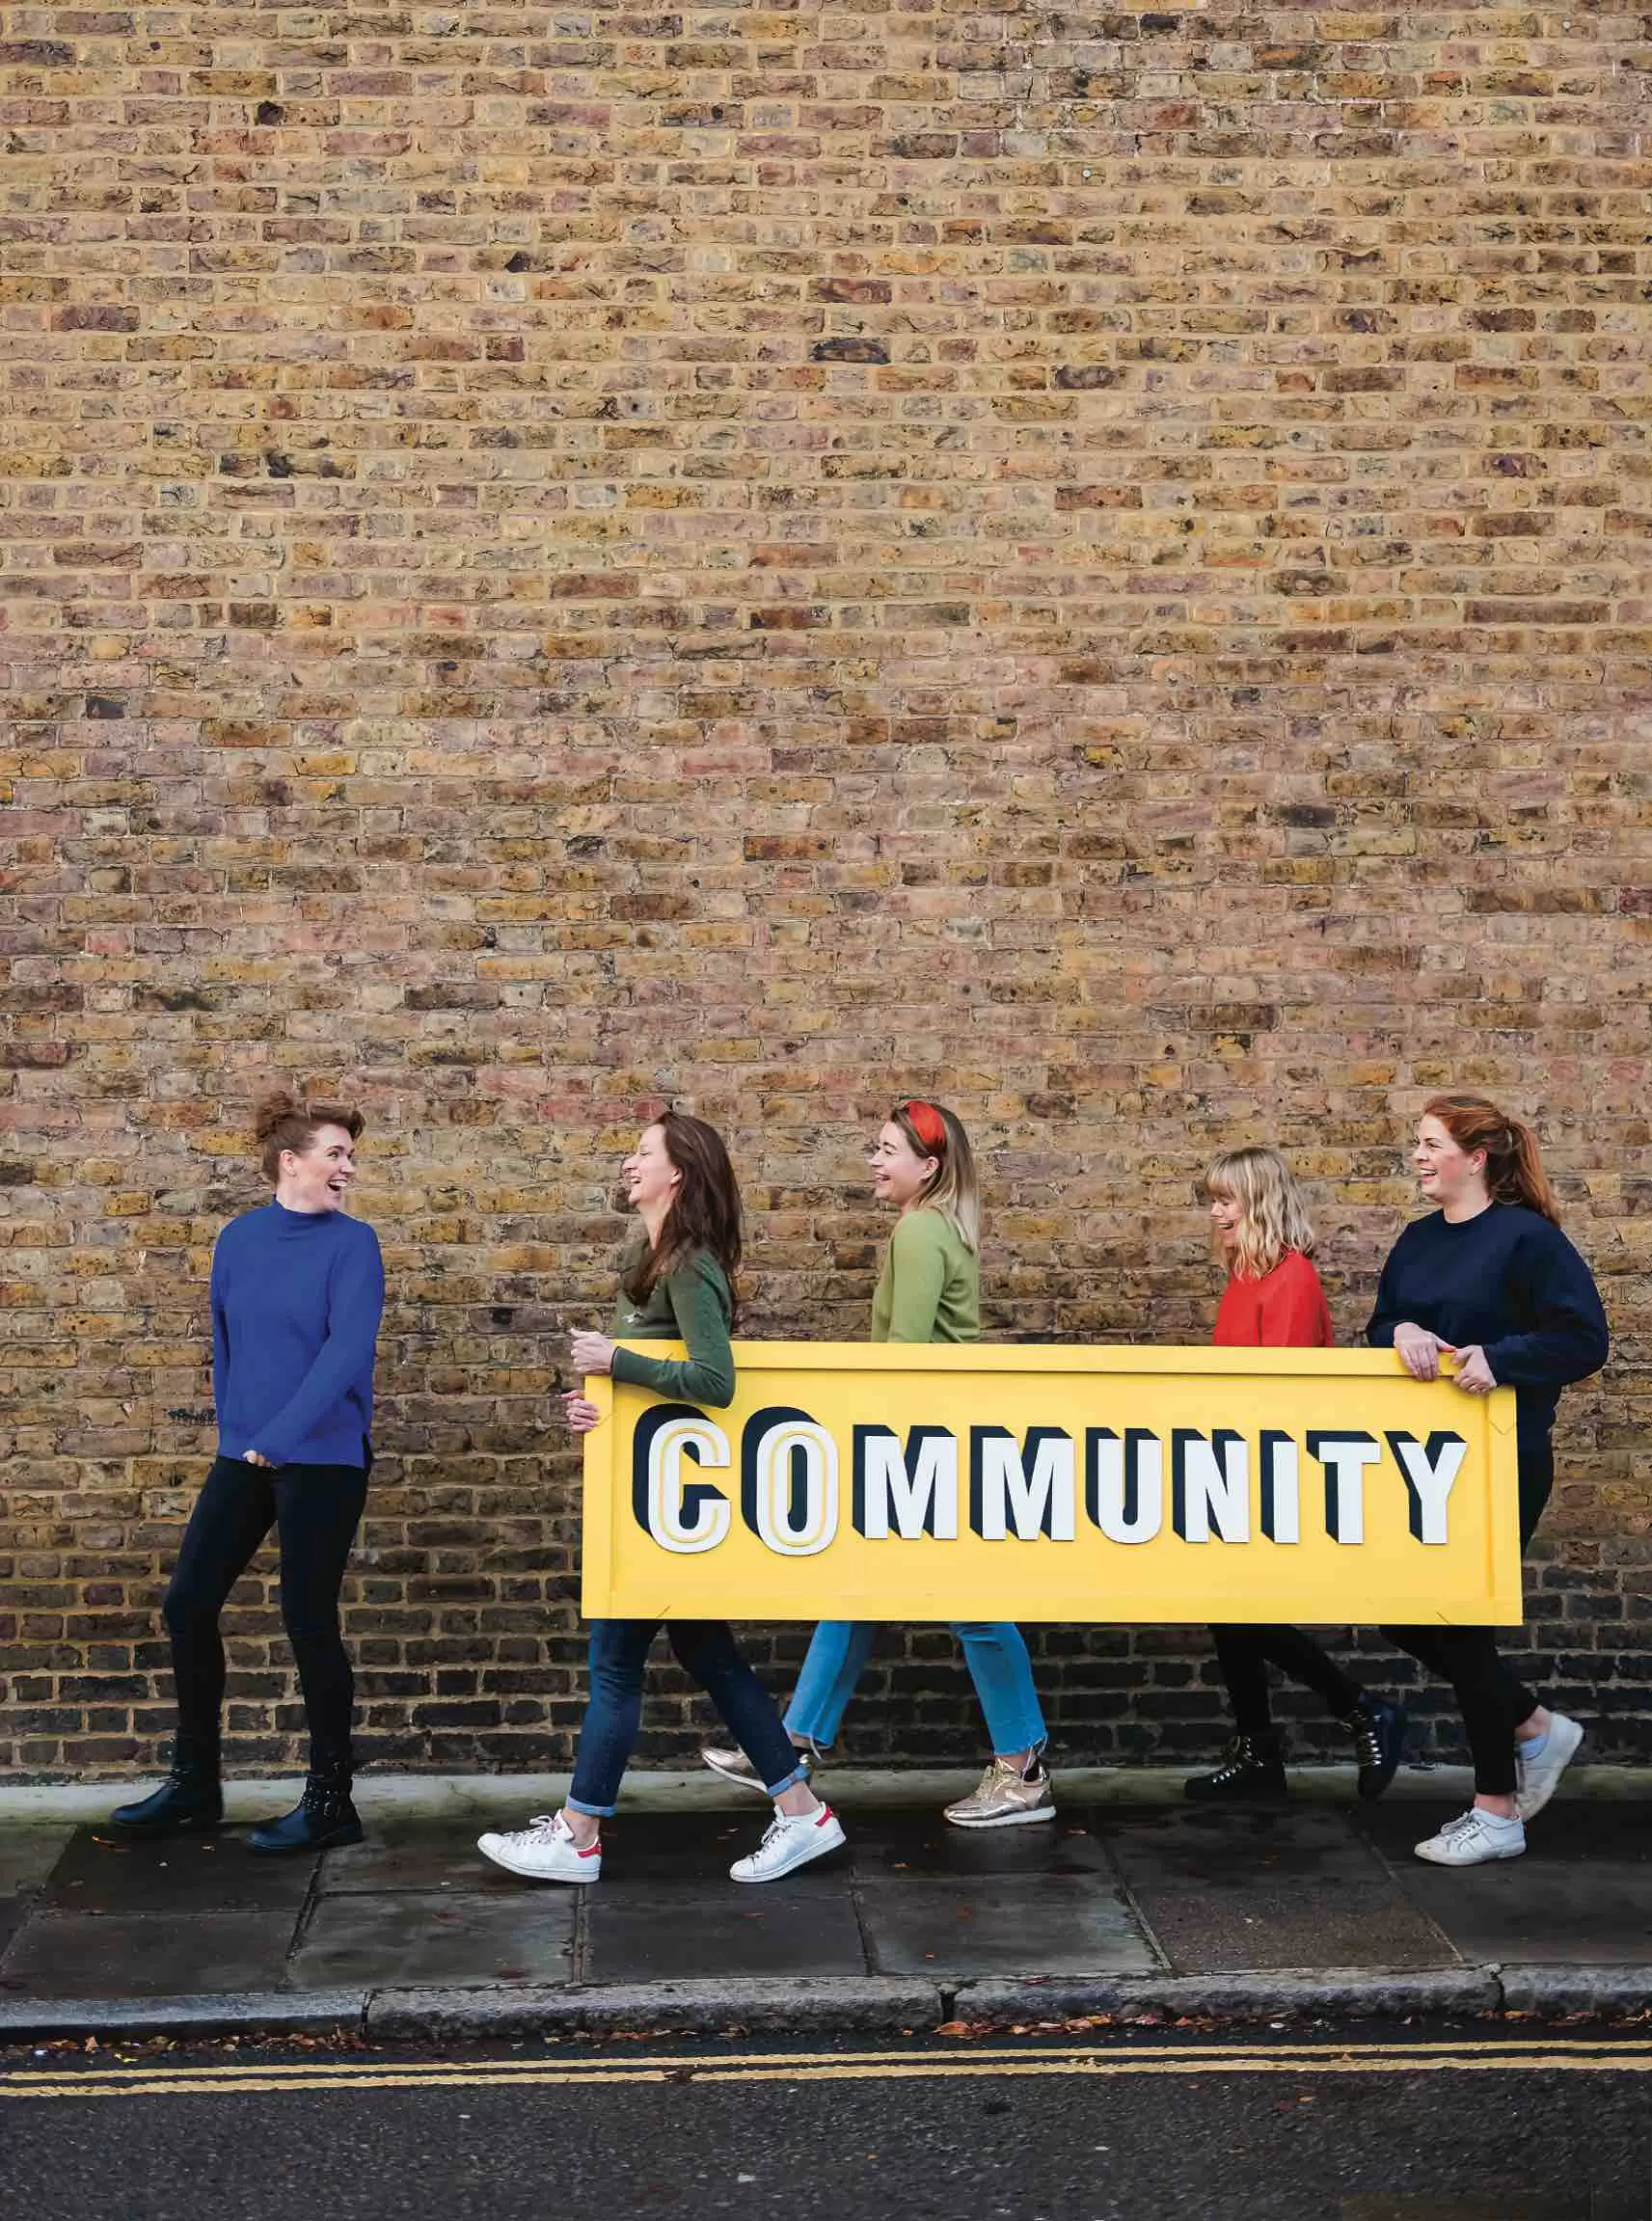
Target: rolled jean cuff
(780, 1788)
(590, 1811)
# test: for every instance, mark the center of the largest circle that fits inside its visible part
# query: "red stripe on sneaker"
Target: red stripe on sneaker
(826, 1815)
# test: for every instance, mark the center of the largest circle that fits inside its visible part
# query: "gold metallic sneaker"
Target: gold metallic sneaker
(734, 1766)
(1005, 1797)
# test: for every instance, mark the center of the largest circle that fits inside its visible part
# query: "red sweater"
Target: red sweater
(1285, 1310)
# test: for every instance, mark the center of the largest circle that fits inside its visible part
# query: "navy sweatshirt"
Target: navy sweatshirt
(296, 1297)
(1509, 1280)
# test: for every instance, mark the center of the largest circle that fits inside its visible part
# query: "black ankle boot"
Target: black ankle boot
(191, 1796)
(322, 1818)
(1378, 1731)
(1251, 1768)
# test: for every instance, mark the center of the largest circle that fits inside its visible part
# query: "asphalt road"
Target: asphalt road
(1540, 2127)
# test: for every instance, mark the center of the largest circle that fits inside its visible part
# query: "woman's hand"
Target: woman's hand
(253, 1458)
(581, 1412)
(1420, 1351)
(1472, 1372)
(592, 1353)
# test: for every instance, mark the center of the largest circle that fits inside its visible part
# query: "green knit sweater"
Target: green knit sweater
(930, 1287)
(691, 1304)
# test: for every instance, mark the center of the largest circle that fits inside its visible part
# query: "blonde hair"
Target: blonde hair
(951, 1188)
(1272, 1215)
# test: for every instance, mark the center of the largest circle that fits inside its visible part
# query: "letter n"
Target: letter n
(1209, 1486)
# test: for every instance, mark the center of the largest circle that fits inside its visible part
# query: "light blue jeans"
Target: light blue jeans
(993, 1650)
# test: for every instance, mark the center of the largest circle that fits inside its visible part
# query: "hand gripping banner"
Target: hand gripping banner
(849, 1480)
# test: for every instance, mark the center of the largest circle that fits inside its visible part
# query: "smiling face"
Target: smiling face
(1449, 1175)
(651, 1180)
(899, 1174)
(1226, 1217)
(319, 1179)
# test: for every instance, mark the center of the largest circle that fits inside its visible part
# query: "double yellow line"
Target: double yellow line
(1505, 2055)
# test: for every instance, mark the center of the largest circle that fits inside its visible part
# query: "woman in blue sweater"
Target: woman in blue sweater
(1490, 1280)
(297, 1291)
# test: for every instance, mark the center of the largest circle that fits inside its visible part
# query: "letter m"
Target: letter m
(910, 1494)
(1023, 1494)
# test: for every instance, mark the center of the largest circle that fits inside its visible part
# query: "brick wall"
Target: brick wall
(1094, 563)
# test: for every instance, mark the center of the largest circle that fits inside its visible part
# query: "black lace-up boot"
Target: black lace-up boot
(190, 1798)
(323, 1817)
(1252, 1768)
(1378, 1731)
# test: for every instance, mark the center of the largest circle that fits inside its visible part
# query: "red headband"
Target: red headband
(926, 1123)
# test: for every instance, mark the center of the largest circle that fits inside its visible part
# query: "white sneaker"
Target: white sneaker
(544, 1850)
(1541, 1777)
(790, 1843)
(1474, 1839)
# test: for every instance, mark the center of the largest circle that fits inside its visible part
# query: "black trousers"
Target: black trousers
(1491, 1696)
(1245, 1653)
(315, 1510)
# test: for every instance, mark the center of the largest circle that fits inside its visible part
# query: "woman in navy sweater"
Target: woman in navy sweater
(297, 1291)
(1490, 1278)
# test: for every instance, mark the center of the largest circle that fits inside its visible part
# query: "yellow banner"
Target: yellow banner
(849, 1480)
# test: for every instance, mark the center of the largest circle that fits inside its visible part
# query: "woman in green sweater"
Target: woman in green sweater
(676, 1285)
(929, 1291)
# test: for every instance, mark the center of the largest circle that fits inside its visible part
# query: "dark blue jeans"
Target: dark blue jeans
(705, 1650)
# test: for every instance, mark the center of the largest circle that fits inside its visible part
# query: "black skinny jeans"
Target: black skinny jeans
(1491, 1696)
(1245, 1653)
(315, 1510)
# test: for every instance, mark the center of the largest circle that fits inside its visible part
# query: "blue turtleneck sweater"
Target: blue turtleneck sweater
(296, 1297)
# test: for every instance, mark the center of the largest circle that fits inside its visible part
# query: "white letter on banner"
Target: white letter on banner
(793, 1521)
(1124, 1482)
(1345, 1457)
(1210, 1485)
(1281, 1487)
(919, 1485)
(1430, 1474)
(1005, 1499)
(709, 1445)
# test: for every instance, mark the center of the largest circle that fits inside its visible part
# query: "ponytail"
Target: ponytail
(1515, 1169)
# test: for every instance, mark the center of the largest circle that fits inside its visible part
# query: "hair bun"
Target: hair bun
(274, 1110)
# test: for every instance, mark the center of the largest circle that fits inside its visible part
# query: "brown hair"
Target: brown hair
(1514, 1171)
(282, 1122)
(705, 1214)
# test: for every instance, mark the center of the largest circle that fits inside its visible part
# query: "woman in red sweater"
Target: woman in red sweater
(1273, 1300)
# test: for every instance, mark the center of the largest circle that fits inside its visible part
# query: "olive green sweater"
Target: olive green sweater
(930, 1287)
(691, 1304)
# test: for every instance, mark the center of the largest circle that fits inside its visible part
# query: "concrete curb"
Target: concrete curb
(1613, 1990)
(869, 2005)
(865, 2006)
(1346, 1992)
(241, 2013)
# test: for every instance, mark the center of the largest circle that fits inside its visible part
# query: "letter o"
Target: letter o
(771, 1507)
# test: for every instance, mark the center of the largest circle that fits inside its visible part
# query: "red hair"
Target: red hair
(1514, 1170)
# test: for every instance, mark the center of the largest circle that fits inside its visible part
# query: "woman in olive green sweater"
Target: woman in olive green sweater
(929, 1291)
(676, 1285)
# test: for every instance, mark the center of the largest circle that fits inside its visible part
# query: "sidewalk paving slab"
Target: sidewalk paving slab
(419, 1940)
(145, 1955)
(679, 1932)
(1268, 1886)
(186, 1875)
